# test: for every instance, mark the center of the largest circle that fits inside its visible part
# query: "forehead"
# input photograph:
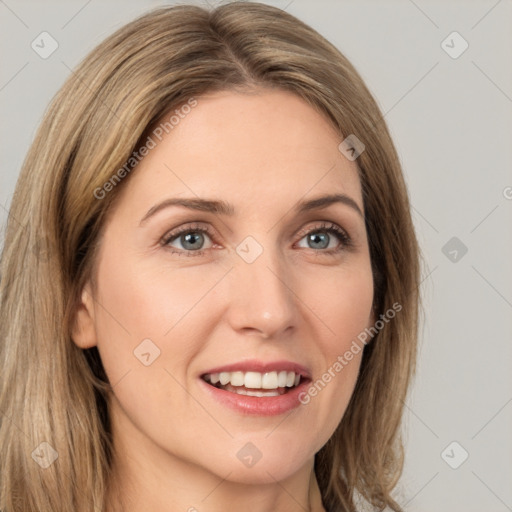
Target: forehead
(248, 148)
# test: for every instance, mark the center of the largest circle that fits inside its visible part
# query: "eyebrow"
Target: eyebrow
(221, 207)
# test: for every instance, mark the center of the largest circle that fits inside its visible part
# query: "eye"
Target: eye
(189, 240)
(327, 238)
(193, 240)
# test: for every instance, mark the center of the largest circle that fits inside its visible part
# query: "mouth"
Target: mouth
(258, 388)
(255, 384)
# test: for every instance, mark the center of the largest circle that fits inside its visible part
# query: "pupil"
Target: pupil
(191, 239)
(322, 239)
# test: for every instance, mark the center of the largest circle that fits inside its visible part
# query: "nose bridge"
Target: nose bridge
(262, 298)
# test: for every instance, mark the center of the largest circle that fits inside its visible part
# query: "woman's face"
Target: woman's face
(251, 278)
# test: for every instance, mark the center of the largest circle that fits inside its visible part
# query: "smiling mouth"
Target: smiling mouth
(254, 383)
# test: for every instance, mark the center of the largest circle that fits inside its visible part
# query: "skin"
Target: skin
(175, 447)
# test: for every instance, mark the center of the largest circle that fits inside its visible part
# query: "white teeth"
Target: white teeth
(255, 380)
(252, 380)
(237, 379)
(260, 394)
(251, 392)
(269, 381)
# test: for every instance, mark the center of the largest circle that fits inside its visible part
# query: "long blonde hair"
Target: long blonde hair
(53, 392)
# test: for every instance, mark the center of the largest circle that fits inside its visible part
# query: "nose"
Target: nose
(261, 299)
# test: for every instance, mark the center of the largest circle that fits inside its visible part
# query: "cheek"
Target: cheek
(150, 325)
(143, 300)
(342, 301)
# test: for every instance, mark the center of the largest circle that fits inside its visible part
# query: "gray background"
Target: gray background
(451, 119)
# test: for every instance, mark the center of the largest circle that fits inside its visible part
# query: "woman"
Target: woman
(212, 302)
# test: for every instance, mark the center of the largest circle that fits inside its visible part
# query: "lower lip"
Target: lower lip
(258, 406)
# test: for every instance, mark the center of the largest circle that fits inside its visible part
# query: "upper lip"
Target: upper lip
(254, 365)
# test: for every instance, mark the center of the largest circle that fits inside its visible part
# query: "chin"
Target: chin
(264, 465)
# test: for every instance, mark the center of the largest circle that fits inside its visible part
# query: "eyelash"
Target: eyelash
(324, 227)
